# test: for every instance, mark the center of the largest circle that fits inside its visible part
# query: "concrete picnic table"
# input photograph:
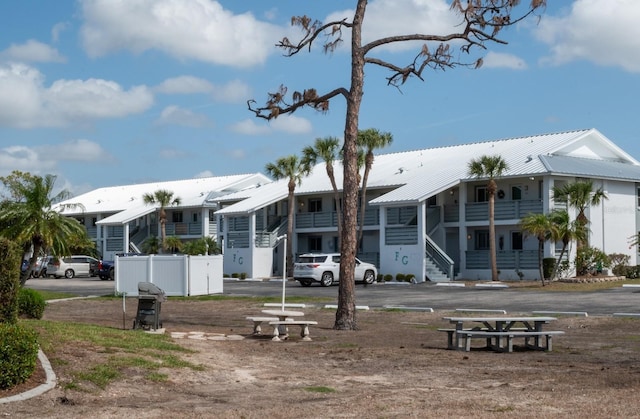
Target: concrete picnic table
(499, 327)
(283, 315)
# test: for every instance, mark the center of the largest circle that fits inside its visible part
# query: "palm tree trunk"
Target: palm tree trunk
(289, 250)
(492, 238)
(540, 255)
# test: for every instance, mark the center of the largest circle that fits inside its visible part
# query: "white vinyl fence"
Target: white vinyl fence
(176, 275)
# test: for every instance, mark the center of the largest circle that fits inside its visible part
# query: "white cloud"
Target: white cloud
(22, 158)
(71, 100)
(605, 32)
(174, 115)
(46, 158)
(57, 29)
(291, 124)
(32, 51)
(500, 60)
(203, 174)
(234, 91)
(185, 85)
(249, 127)
(286, 123)
(196, 30)
(27, 103)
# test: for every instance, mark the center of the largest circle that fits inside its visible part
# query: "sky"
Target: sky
(116, 92)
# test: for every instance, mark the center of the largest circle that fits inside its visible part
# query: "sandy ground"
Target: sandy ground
(389, 368)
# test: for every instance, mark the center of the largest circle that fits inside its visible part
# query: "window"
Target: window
(212, 216)
(315, 244)
(482, 240)
(431, 201)
(516, 193)
(176, 216)
(195, 217)
(315, 205)
(481, 194)
(516, 240)
(638, 195)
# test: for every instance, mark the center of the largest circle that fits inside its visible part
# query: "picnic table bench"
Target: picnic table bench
(496, 329)
(304, 328)
(257, 322)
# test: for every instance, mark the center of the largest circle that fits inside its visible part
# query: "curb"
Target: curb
(50, 383)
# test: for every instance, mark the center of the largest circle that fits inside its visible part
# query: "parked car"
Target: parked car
(38, 270)
(106, 268)
(72, 266)
(325, 269)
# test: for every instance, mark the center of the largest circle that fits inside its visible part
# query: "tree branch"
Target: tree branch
(277, 105)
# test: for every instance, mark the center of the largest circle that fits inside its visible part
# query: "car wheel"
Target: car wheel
(35, 274)
(305, 283)
(369, 278)
(69, 273)
(112, 274)
(327, 279)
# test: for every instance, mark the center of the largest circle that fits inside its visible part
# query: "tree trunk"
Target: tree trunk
(492, 237)
(346, 312)
(540, 257)
(291, 214)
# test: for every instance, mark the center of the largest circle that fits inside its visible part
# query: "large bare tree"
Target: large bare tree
(481, 22)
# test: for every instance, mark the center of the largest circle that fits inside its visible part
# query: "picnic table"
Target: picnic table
(495, 330)
(286, 317)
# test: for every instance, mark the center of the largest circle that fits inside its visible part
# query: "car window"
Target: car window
(335, 259)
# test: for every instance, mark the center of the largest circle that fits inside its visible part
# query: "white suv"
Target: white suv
(325, 269)
(72, 266)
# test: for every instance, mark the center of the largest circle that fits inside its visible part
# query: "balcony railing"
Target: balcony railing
(479, 211)
(330, 219)
(506, 259)
(183, 229)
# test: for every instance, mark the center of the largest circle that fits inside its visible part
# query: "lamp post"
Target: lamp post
(284, 265)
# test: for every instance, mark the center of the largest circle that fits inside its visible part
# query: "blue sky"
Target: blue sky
(114, 92)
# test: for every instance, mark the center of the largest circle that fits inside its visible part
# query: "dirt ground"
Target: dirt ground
(389, 368)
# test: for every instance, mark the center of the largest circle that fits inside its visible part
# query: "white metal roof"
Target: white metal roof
(416, 175)
(196, 192)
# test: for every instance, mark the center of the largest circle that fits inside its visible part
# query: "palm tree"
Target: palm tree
(30, 219)
(565, 231)
(174, 244)
(580, 195)
(164, 198)
(327, 149)
(294, 169)
(151, 245)
(491, 167)
(369, 139)
(540, 226)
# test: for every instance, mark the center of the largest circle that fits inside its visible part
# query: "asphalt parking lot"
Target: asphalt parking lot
(426, 295)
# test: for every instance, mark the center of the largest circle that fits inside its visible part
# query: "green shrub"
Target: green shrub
(234, 275)
(380, 278)
(589, 260)
(409, 277)
(400, 277)
(10, 257)
(243, 275)
(31, 303)
(388, 277)
(619, 263)
(225, 275)
(18, 354)
(632, 272)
